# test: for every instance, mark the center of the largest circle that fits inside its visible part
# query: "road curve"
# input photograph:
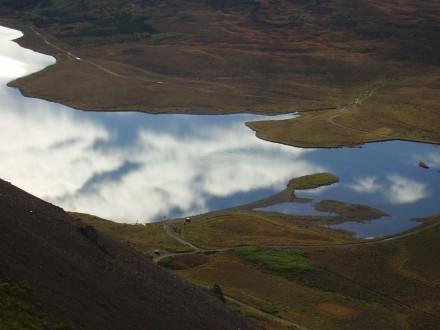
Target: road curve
(385, 239)
(173, 235)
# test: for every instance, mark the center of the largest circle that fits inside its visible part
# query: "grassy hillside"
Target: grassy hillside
(317, 278)
(378, 60)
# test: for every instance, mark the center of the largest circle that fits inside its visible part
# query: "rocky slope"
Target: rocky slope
(82, 279)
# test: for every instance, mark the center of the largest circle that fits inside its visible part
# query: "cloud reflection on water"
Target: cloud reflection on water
(395, 188)
(78, 162)
(184, 174)
(11, 68)
(16, 61)
(433, 159)
(33, 156)
(404, 190)
(365, 185)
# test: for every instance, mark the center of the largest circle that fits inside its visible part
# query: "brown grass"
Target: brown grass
(144, 238)
(407, 108)
(309, 130)
(293, 300)
(351, 211)
(253, 228)
(337, 310)
(187, 261)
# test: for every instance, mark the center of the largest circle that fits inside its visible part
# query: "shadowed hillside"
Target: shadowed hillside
(57, 273)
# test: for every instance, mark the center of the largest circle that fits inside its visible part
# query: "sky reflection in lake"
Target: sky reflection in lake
(132, 167)
(135, 167)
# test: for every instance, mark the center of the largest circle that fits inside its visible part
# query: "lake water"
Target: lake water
(134, 167)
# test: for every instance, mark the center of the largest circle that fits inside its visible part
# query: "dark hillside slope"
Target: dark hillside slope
(85, 280)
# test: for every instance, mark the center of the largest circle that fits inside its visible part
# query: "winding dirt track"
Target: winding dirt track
(173, 235)
(363, 96)
(204, 90)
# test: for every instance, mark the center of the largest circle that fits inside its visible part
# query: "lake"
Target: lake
(134, 167)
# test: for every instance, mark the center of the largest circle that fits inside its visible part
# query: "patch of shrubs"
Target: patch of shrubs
(269, 310)
(165, 262)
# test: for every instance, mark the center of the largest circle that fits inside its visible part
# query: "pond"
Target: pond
(134, 167)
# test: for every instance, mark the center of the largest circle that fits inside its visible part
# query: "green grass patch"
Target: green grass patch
(15, 313)
(313, 181)
(269, 310)
(233, 303)
(256, 316)
(277, 260)
(186, 261)
(165, 262)
(159, 37)
(20, 289)
(177, 248)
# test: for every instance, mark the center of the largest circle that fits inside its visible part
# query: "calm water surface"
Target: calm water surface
(132, 167)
